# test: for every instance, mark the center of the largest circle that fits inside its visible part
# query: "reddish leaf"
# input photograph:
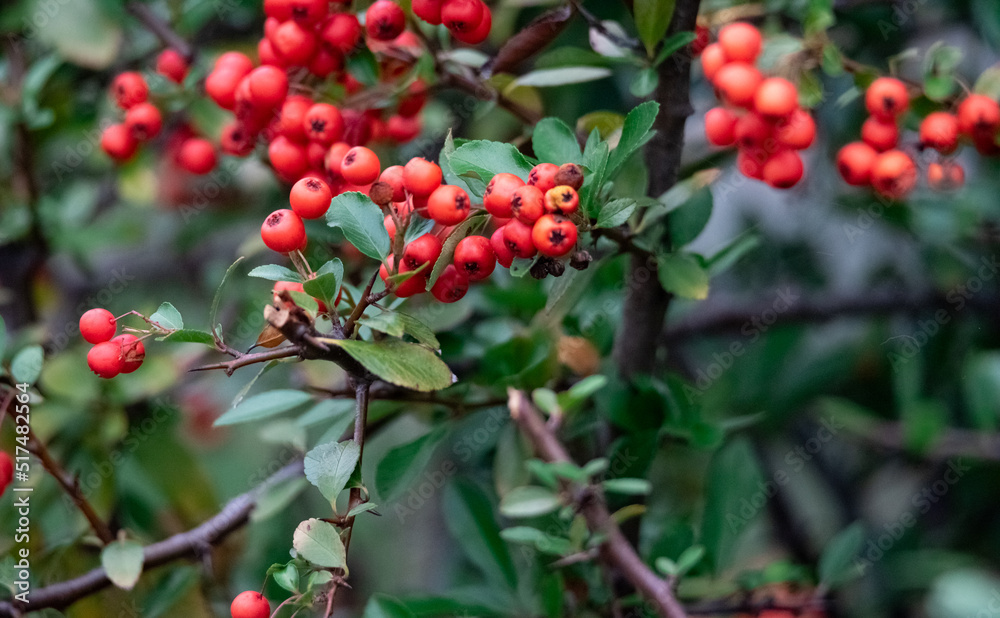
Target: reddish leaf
(530, 40)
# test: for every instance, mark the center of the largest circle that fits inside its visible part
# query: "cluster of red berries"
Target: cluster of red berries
(111, 355)
(143, 120)
(469, 21)
(877, 160)
(761, 115)
(6, 471)
(250, 604)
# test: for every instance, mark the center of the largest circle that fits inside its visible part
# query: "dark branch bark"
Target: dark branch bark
(616, 550)
(646, 301)
(186, 544)
(161, 29)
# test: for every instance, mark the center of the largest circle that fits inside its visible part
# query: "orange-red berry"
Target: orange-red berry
(776, 96)
(783, 170)
(499, 191)
(740, 41)
(855, 161)
(360, 166)
(283, 231)
(939, 130)
(97, 325)
(887, 98)
(250, 604)
(945, 176)
(720, 126)
(894, 174)
(543, 176)
(310, 198)
(421, 177)
(880, 134)
(738, 83)
(474, 257)
(554, 235)
(562, 199)
(448, 205)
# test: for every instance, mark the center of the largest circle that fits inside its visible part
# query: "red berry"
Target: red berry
(939, 130)
(278, 9)
(295, 286)
(880, 134)
(118, 143)
(6, 471)
(172, 65)
(562, 199)
(334, 157)
(462, 15)
(294, 43)
(979, 115)
(783, 170)
(855, 161)
(393, 176)
(423, 250)
(401, 129)
(421, 177)
(310, 198)
(720, 126)
(325, 62)
(283, 231)
(887, 98)
(384, 20)
(776, 96)
(712, 59)
(97, 325)
(220, 86)
(390, 227)
(740, 41)
(894, 174)
(474, 257)
(105, 359)
(132, 351)
(543, 176)
(250, 604)
(323, 123)
(309, 12)
(342, 32)
(129, 89)
(236, 140)
(751, 129)
(448, 205)
(451, 286)
(797, 131)
(268, 86)
(143, 121)
(499, 192)
(268, 54)
(197, 155)
(517, 237)
(360, 166)
(527, 203)
(428, 10)
(502, 252)
(554, 235)
(291, 117)
(701, 40)
(750, 162)
(239, 63)
(415, 99)
(289, 159)
(412, 286)
(478, 34)
(738, 83)
(945, 176)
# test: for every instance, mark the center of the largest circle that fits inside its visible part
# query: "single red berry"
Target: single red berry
(105, 359)
(750, 161)
(712, 59)
(979, 115)
(751, 130)
(797, 131)
(172, 65)
(220, 86)
(393, 176)
(720, 126)
(894, 174)
(289, 159)
(448, 205)
(451, 286)
(197, 155)
(250, 604)
(402, 129)
(462, 15)
(295, 43)
(478, 34)
(360, 166)
(384, 20)
(562, 199)
(236, 140)
(776, 96)
(527, 203)
(132, 351)
(97, 325)
(316, 153)
(390, 227)
(945, 176)
(474, 257)
(334, 157)
(238, 62)
(342, 32)
(323, 123)
(554, 235)
(880, 134)
(783, 170)
(702, 37)
(118, 143)
(543, 176)
(269, 55)
(291, 117)
(310, 198)
(738, 83)
(887, 98)
(428, 10)
(499, 192)
(309, 12)
(6, 471)
(129, 89)
(415, 284)
(283, 231)
(278, 9)
(268, 86)
(325, 62)
(740, 41)
(414, 100)
(517, 237)
(502, 252)
(855, 161)
(423, 250)
(143, 121)
(421, 177)
(939, 130)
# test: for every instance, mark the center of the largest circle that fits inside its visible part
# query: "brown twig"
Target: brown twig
(615, 550)
(161, 29)
(249, 359)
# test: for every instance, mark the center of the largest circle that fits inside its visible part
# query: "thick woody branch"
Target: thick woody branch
(616, 550)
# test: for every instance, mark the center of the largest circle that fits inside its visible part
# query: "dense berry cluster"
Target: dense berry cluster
(111, 355)
(142, 122)
(761, 115)
(878, 161)
(468, 20)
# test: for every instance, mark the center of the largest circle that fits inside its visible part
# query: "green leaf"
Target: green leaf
(837, 565)
(471, 522)
(628, 486)
(264, 405)
(330, 465)
(636, 131)
(364, 507)
(616, 212)
(545, 543)
(644, 83)
(595, 158)
(734, 480)
(731, 253)
(418, 330)
(677, 196)
(362, 222)
(213, 314)
(401, 465)
(383, 606)
(168, 317)
(326, 283)
(190, 335)
(687, 222)
(555, 142)
(319, 542)
(988, 82)
(581, 391)
(288, 577)
(480, 160)
(674, 44)
(529, 501)
(682, 275)
(26, 365)
(401, 363)
(690, 558)
(667, 566)
(386, 322)
(273, 272)
(545, 78)
(80, 31)
(277, 499)
(522, 266)
(652, 18)
(546, 400)
(122, 561)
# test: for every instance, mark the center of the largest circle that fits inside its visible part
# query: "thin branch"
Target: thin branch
(485, 92)
(359, 310)
(186, 544)
(389, 392)
(616, 550)
(161, 29)
(249, 359)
